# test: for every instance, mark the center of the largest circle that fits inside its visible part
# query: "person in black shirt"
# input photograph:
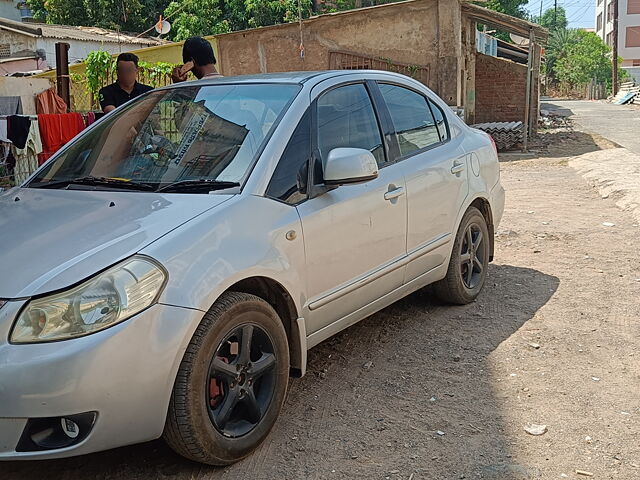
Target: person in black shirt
(126, 87)
(198, 58)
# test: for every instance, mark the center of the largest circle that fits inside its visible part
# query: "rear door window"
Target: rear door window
(441, 121)
(412, 119)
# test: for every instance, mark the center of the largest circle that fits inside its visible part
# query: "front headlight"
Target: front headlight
(109, 298)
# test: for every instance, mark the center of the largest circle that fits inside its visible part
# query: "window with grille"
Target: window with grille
(633, 37)
(5, 50)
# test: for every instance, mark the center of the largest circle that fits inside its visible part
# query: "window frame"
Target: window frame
(316, 189)
(429, 101)
(376, 113)
(308, 111)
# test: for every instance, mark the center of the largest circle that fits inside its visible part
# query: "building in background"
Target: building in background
(628, 31)
(30, 47)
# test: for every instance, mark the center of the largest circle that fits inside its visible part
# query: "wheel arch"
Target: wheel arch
(484, 206)
(282, 302)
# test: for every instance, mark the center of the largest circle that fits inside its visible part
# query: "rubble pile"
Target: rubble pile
(549, 120)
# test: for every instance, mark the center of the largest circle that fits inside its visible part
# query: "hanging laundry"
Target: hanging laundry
(18, 127)
(50, 102)
(56, 130)
(80, 122)
(3, 130)
(27, 157)
(10, 106)
(91, 118)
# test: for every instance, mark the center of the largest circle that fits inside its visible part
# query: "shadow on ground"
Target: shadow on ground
(373, 401)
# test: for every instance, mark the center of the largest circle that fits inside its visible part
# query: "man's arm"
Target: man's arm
(106, 101)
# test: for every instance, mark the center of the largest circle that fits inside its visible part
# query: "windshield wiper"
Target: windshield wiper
(90, 180)
(202, 185)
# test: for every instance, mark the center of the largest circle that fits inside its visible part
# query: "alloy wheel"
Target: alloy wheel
(241, 381)
(472, 256)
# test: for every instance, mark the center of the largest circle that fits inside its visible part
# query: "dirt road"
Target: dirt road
(426, 391)
(618, 123)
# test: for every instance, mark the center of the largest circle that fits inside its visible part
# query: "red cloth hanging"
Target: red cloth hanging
(56, 130)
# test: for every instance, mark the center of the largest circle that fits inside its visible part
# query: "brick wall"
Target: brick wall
(500, 90)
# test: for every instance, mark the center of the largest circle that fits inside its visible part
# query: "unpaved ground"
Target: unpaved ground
(377, 394)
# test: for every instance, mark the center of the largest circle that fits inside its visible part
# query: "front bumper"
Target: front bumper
(125, 374)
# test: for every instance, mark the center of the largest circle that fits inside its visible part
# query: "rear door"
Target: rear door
(435, 169)
(354, 235)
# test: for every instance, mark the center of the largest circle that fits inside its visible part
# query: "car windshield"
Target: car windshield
(208, 135)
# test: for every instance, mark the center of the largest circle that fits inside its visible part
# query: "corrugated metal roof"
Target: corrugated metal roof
(68, 32)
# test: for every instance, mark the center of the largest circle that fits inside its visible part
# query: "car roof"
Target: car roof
(284, 77)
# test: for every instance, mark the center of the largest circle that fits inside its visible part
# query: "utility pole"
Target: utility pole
(540, 17)
(614, 60)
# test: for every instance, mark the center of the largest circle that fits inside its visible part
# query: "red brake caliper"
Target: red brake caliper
(216, 389)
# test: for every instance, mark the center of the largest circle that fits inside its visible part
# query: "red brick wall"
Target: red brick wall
(500, 90)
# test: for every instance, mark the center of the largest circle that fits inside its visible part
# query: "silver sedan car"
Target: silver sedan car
(168, 270)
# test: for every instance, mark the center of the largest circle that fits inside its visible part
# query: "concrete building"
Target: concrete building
(433, 41)
(628, 31)
(31, 46)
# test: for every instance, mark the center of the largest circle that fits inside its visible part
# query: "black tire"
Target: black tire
(193, 429)
(461, 287)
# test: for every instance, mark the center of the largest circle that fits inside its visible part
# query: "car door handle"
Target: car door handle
(398, 192)
(458, 167)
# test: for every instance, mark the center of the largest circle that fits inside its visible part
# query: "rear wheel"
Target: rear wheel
(469, 261)
(232, 382)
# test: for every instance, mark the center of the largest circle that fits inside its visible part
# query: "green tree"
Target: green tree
(585, 58)
(222, 16)
(558, 47)
(515, 8)
(125, 15)
(38, 10)
(552, 20)
(196, 17)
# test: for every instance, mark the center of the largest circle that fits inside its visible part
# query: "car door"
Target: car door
(354, 235)
(435, 170)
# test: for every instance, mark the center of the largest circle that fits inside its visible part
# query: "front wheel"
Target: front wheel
(231, 384)
(469, 261)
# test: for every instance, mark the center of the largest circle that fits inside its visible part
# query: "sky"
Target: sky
(580, 13)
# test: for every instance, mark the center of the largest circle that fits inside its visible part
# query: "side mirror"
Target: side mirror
(349, 165)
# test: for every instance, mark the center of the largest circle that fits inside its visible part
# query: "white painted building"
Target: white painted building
(21, 42)
(628, 31)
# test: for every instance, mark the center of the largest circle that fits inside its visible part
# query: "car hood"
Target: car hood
(51, 239)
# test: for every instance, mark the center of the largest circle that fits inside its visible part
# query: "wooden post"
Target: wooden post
(527, 101)
(614, 60)
(62, 72)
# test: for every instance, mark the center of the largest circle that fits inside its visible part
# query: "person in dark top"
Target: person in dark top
(126, 87)
(198, 57)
